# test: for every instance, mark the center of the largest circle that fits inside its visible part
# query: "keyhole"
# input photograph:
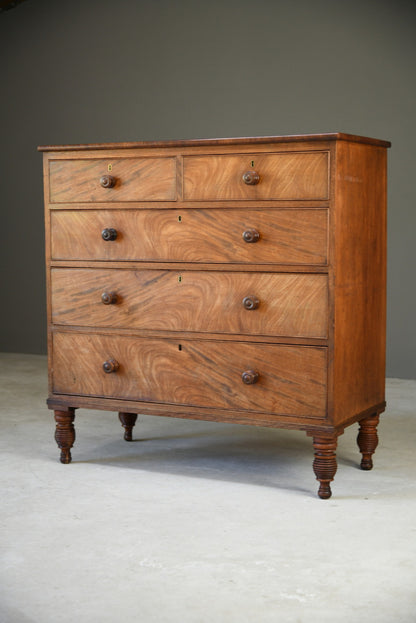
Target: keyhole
(252, 163)
(179, 278)
(180, 347)
(179, 219)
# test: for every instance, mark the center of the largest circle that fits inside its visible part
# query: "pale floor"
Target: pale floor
(198, 522)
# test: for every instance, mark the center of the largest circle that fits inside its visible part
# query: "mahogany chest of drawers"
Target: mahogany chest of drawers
(234, 280)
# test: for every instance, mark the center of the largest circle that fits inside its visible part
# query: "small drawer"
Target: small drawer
(285, 236)
(257, 177)
(293, 305)
(261, 378)
(121, 179)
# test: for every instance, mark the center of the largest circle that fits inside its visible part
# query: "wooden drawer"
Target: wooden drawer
(218, 302)
(285, 176)
(136, 179)
(292, 379)
(287, 236)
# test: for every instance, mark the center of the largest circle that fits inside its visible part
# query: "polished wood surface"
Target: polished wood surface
(360, 279)
(287, 304)
(235, 280)
(281, 176)
(292, 379)
(223, 142)
(288, 236)
(131, 179)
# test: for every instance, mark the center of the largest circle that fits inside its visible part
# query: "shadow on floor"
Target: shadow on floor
(258, 457)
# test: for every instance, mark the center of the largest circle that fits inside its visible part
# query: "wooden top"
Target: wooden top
(256, 140)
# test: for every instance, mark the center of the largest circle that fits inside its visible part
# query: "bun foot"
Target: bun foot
(324, 491)
(367, 440)
(128, 421)
(366, 464)
(66, 456)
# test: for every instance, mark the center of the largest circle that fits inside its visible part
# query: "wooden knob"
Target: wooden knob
(107, 181)
(251, 178)
(109, 298)
(111, 365)
(109, 234)
(251, 302)
(250, 377)
(251, 235)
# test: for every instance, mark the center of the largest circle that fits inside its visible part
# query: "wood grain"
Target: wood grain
(360, 279)
(207, 374)
(150, 179)
(174, 333)
(289, 304)
(282, 176)
(222, 142)
(289, 236)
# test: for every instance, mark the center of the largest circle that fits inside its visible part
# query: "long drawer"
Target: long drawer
(288, 236)
(255, 177)
(261, 378)
(206, 301)
(119, 179)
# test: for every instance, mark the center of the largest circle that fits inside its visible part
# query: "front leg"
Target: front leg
(65, 432)
(367, 439)
(325, 463)
(127, 420)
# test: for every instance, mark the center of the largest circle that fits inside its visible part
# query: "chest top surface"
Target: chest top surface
(253, 140)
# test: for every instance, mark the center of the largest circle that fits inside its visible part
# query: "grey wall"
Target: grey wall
(75, 71)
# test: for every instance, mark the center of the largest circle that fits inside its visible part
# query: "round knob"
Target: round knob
(109, 234)
(249, 377)
(111, 365)
(251, 235)
(251, 178)
(109, 298)
(107, 181)
(250, 302)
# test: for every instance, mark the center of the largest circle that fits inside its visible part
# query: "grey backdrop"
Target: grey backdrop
(76, 71)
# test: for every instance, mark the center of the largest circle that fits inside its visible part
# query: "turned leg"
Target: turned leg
(65, 433)
(128, 420)
(325, 463)
(367, 439)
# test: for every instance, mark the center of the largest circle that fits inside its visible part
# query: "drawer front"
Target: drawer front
(293, 305)
(135, 179)
(287, 236)
(284, 176)
(291, 379)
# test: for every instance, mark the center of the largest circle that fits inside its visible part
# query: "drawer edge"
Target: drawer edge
(231, 416)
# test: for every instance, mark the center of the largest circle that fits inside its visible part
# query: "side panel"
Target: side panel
(47, 262)
(360, 279)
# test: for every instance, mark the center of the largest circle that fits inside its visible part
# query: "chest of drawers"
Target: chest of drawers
(233, 280)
